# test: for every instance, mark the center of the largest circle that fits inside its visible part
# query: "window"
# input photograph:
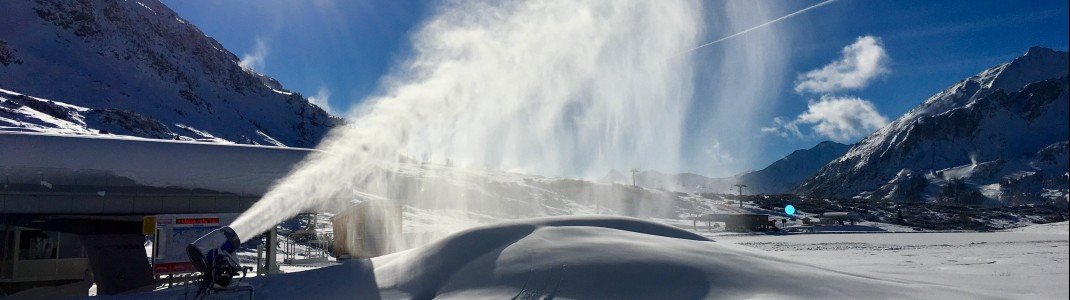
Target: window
(7, 238)
(37, 244)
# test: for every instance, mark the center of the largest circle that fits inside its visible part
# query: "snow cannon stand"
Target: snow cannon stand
(213, 256)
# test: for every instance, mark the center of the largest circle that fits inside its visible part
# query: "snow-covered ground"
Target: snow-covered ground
(620, 258)
(1024, 263)
(1052, 228)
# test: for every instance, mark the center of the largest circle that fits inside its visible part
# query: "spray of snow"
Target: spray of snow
(549, 87)
(254, 61)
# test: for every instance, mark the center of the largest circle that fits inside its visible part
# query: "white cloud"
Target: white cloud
(840, 119)
(861, 62)
(255, 61)
(718, 153)
(321, 99)
(777, 128)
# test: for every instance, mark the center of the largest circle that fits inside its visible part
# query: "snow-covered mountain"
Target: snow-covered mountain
(784, 174)
(998, 136)
(779, 177)
(683, 182)
(136, 68)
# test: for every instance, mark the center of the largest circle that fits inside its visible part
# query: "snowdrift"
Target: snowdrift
(585, 258)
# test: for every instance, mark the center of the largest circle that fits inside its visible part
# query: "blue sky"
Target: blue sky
(338, 50)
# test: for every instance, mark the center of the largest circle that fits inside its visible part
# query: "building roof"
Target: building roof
(840, 215)
(46, 173)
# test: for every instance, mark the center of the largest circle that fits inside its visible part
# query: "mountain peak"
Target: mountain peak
(1037, 64)
(1001, 117)
(828, 144)
(1042, 51)
(137, 68)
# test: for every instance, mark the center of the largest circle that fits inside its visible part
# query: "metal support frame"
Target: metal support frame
(271, 249)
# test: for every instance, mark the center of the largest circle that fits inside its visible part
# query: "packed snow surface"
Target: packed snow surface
(1062, 228)
(589, 257)
(1023, 263)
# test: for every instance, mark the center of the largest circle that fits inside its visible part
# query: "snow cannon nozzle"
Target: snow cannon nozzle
(213, 255)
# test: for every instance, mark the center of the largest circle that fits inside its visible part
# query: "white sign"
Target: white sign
(175, 232)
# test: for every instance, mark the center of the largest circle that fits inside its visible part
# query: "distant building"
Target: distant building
(740, 222)
(839, 217)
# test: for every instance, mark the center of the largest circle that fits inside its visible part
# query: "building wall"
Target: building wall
(33, 257)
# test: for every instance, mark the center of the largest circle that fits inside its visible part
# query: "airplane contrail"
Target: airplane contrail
(823, 3)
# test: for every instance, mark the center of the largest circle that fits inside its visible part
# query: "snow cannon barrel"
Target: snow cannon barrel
(213, 255)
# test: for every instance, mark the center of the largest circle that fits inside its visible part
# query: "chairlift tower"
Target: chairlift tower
(740, 187)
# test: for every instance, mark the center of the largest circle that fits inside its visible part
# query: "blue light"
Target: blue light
(789, 209)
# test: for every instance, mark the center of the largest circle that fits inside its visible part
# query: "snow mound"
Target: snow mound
(614, 258)
(584, 258)
(588, 257)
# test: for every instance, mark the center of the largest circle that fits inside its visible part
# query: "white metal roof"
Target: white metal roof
(104, 166)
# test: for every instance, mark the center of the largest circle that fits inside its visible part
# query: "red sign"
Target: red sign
(187, 221)
(171, 268)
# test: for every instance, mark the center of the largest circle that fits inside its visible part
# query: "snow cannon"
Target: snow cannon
(213, 255)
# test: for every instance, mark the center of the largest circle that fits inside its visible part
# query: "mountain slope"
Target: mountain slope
(974, 142)
(136, 68)
(778, 177)
(784, 174)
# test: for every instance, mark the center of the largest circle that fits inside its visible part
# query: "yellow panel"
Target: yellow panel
(148, 225)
